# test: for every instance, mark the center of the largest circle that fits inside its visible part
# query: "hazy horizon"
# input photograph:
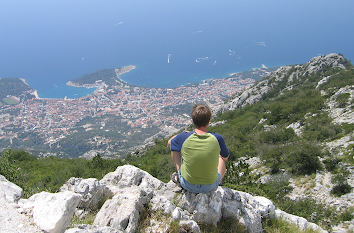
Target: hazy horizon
(170, 42)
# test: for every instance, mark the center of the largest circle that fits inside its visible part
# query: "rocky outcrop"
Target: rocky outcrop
(134, 192)
(126, 176)
(285, 78)
(93, 193)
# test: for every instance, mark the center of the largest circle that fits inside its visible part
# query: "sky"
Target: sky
(51, 42)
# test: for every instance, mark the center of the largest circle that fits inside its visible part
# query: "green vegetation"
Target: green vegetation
(341, 186)
(49, 174)
(12, 87)
(281, 226)
(342, 99)
(88, 219)
(107, 75)
(10, 101)
(227, 225)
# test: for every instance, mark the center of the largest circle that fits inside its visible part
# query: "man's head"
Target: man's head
(201, 115)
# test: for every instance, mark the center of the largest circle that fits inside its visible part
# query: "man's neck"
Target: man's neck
(201, 130)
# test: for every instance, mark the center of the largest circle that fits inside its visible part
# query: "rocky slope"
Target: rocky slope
(126, 194)
(285, 78)
(341, 113)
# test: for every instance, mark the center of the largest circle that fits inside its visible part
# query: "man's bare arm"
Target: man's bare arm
(169, 141)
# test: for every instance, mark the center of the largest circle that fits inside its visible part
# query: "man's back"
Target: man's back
(200, 154)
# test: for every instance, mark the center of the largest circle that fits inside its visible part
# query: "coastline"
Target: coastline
(99, 85)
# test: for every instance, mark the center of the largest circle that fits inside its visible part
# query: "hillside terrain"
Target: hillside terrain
(290, 137)
(13, 91)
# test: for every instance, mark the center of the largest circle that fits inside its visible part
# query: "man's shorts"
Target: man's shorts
(198, 188)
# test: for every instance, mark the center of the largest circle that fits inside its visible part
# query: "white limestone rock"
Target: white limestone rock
(160, 202)
(92, 191)
(192, 224)
(296, 126)
(205, 208)
(92, 229)
(13, 222)
(241, 206)
(177, 214)
(127, 175)
(300, 222)
(11, 192)
(122, 212)
(318, 63)
(265, 207)
(52, 212)
(225, 203)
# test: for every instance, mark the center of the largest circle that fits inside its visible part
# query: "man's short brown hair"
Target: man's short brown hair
(201, 115)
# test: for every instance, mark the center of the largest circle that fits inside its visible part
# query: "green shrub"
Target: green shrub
(34, 175)
(331, 164)
(347, 215)
(320, 128)
(341, 189)
(303, 159)
(342, 100)
(8, 169)
(281, 135)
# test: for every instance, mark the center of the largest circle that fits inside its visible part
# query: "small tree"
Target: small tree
(97, 162)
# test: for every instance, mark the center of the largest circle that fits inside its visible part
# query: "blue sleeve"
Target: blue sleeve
(224, 152)
(177, 142)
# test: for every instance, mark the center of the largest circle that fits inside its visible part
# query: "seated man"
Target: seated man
(199, 156)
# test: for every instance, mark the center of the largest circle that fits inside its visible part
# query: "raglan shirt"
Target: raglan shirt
(200, 155)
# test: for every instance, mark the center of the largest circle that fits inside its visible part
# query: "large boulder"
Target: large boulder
(205, 208)
(92, 191)
(127, 175)
(243, 207)
(52, 212)
(224, 203)
(11, 220)
(11, 192)
(122, 212)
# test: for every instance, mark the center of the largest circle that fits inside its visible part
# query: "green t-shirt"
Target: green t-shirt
(200, 156)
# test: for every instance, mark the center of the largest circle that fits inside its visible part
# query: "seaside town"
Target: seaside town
(114, 119)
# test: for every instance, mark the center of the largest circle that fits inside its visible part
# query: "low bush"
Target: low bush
(304, 160)
(320, 128)
(342, 100)
(331, 164)
(341, 189)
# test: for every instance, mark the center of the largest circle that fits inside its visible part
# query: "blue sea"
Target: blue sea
(171, 42)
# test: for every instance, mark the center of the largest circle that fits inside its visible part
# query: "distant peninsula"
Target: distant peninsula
(108, 76)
